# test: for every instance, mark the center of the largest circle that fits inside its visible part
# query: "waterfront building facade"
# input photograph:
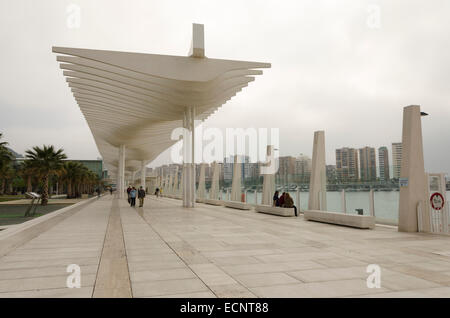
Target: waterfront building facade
(368, 165)
(383, 162)
(347, 164)
(303, 168)
(396, 159)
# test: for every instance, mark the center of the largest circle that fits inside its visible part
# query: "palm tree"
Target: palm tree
(71, 175)
(3, 143)
(47, 161)
(6, 158)
(27, 171)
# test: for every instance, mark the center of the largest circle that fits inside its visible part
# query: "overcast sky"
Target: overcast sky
(335, 67)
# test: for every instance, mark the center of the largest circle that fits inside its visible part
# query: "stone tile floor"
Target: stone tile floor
(212, 251)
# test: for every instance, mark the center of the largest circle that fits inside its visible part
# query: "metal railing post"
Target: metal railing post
(343, 202)
(371, 203)
(320, 200)
(419, 216)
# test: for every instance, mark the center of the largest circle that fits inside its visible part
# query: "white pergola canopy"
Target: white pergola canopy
(137, 99)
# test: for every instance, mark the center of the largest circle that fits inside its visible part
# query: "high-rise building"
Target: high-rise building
(396, 159)
(198, 168)
(252, 170)
(228, 164)
(347, 164)
(286, 169)
(331, 173)
(221, 171)
(383, 161)
(228, 168)
(303, 165)
(368, 164)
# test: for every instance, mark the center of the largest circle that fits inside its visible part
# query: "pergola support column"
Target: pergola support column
(192, 183)
(188, 158)
(143, 174)
(121, 172)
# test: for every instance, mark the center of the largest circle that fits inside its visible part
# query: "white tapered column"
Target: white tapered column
(201, 182)
(193, 174)
(143, 174)
(269, 177)
(181, 189)
(343, 202)
(175, 182)
(133, 178)
(188, 158)
(236, 183)
(121, 172)
(317, 184)
(214, 192)
(170, 188)
(186, 148)
(413, 172)
(166, 185)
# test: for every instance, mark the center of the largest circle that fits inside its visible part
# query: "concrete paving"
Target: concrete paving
(165, 250)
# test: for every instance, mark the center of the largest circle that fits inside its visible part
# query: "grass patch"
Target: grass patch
(4, 198)
(14, 213)
(6, 216)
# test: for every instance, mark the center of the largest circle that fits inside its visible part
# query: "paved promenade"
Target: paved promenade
(164, 250)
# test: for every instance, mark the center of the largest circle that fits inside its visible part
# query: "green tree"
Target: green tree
(71, 175)
(78, 179)
(27, 172)
(47, 162)
(6, 158)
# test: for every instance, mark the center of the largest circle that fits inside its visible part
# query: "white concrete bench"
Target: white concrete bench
(237, 205)
(275, 210)
(353, 220)
(213, 202)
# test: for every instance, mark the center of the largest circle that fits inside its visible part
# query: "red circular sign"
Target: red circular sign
(437, 201)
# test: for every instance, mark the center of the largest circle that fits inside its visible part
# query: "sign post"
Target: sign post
(437, 201)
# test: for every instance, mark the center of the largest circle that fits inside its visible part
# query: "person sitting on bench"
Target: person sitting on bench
(289, 203)
(276, 199)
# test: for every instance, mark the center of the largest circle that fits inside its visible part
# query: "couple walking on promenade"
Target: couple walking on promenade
(132, 193)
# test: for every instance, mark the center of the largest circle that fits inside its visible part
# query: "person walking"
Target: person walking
(128, 192)
(110, 190)
(289, 202)
(141, 196)
(157, 192)
(133, 196)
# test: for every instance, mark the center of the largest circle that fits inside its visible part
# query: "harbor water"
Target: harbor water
(385, 202)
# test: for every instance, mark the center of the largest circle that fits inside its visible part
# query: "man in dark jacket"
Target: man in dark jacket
(141, 196)
(128, 192)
